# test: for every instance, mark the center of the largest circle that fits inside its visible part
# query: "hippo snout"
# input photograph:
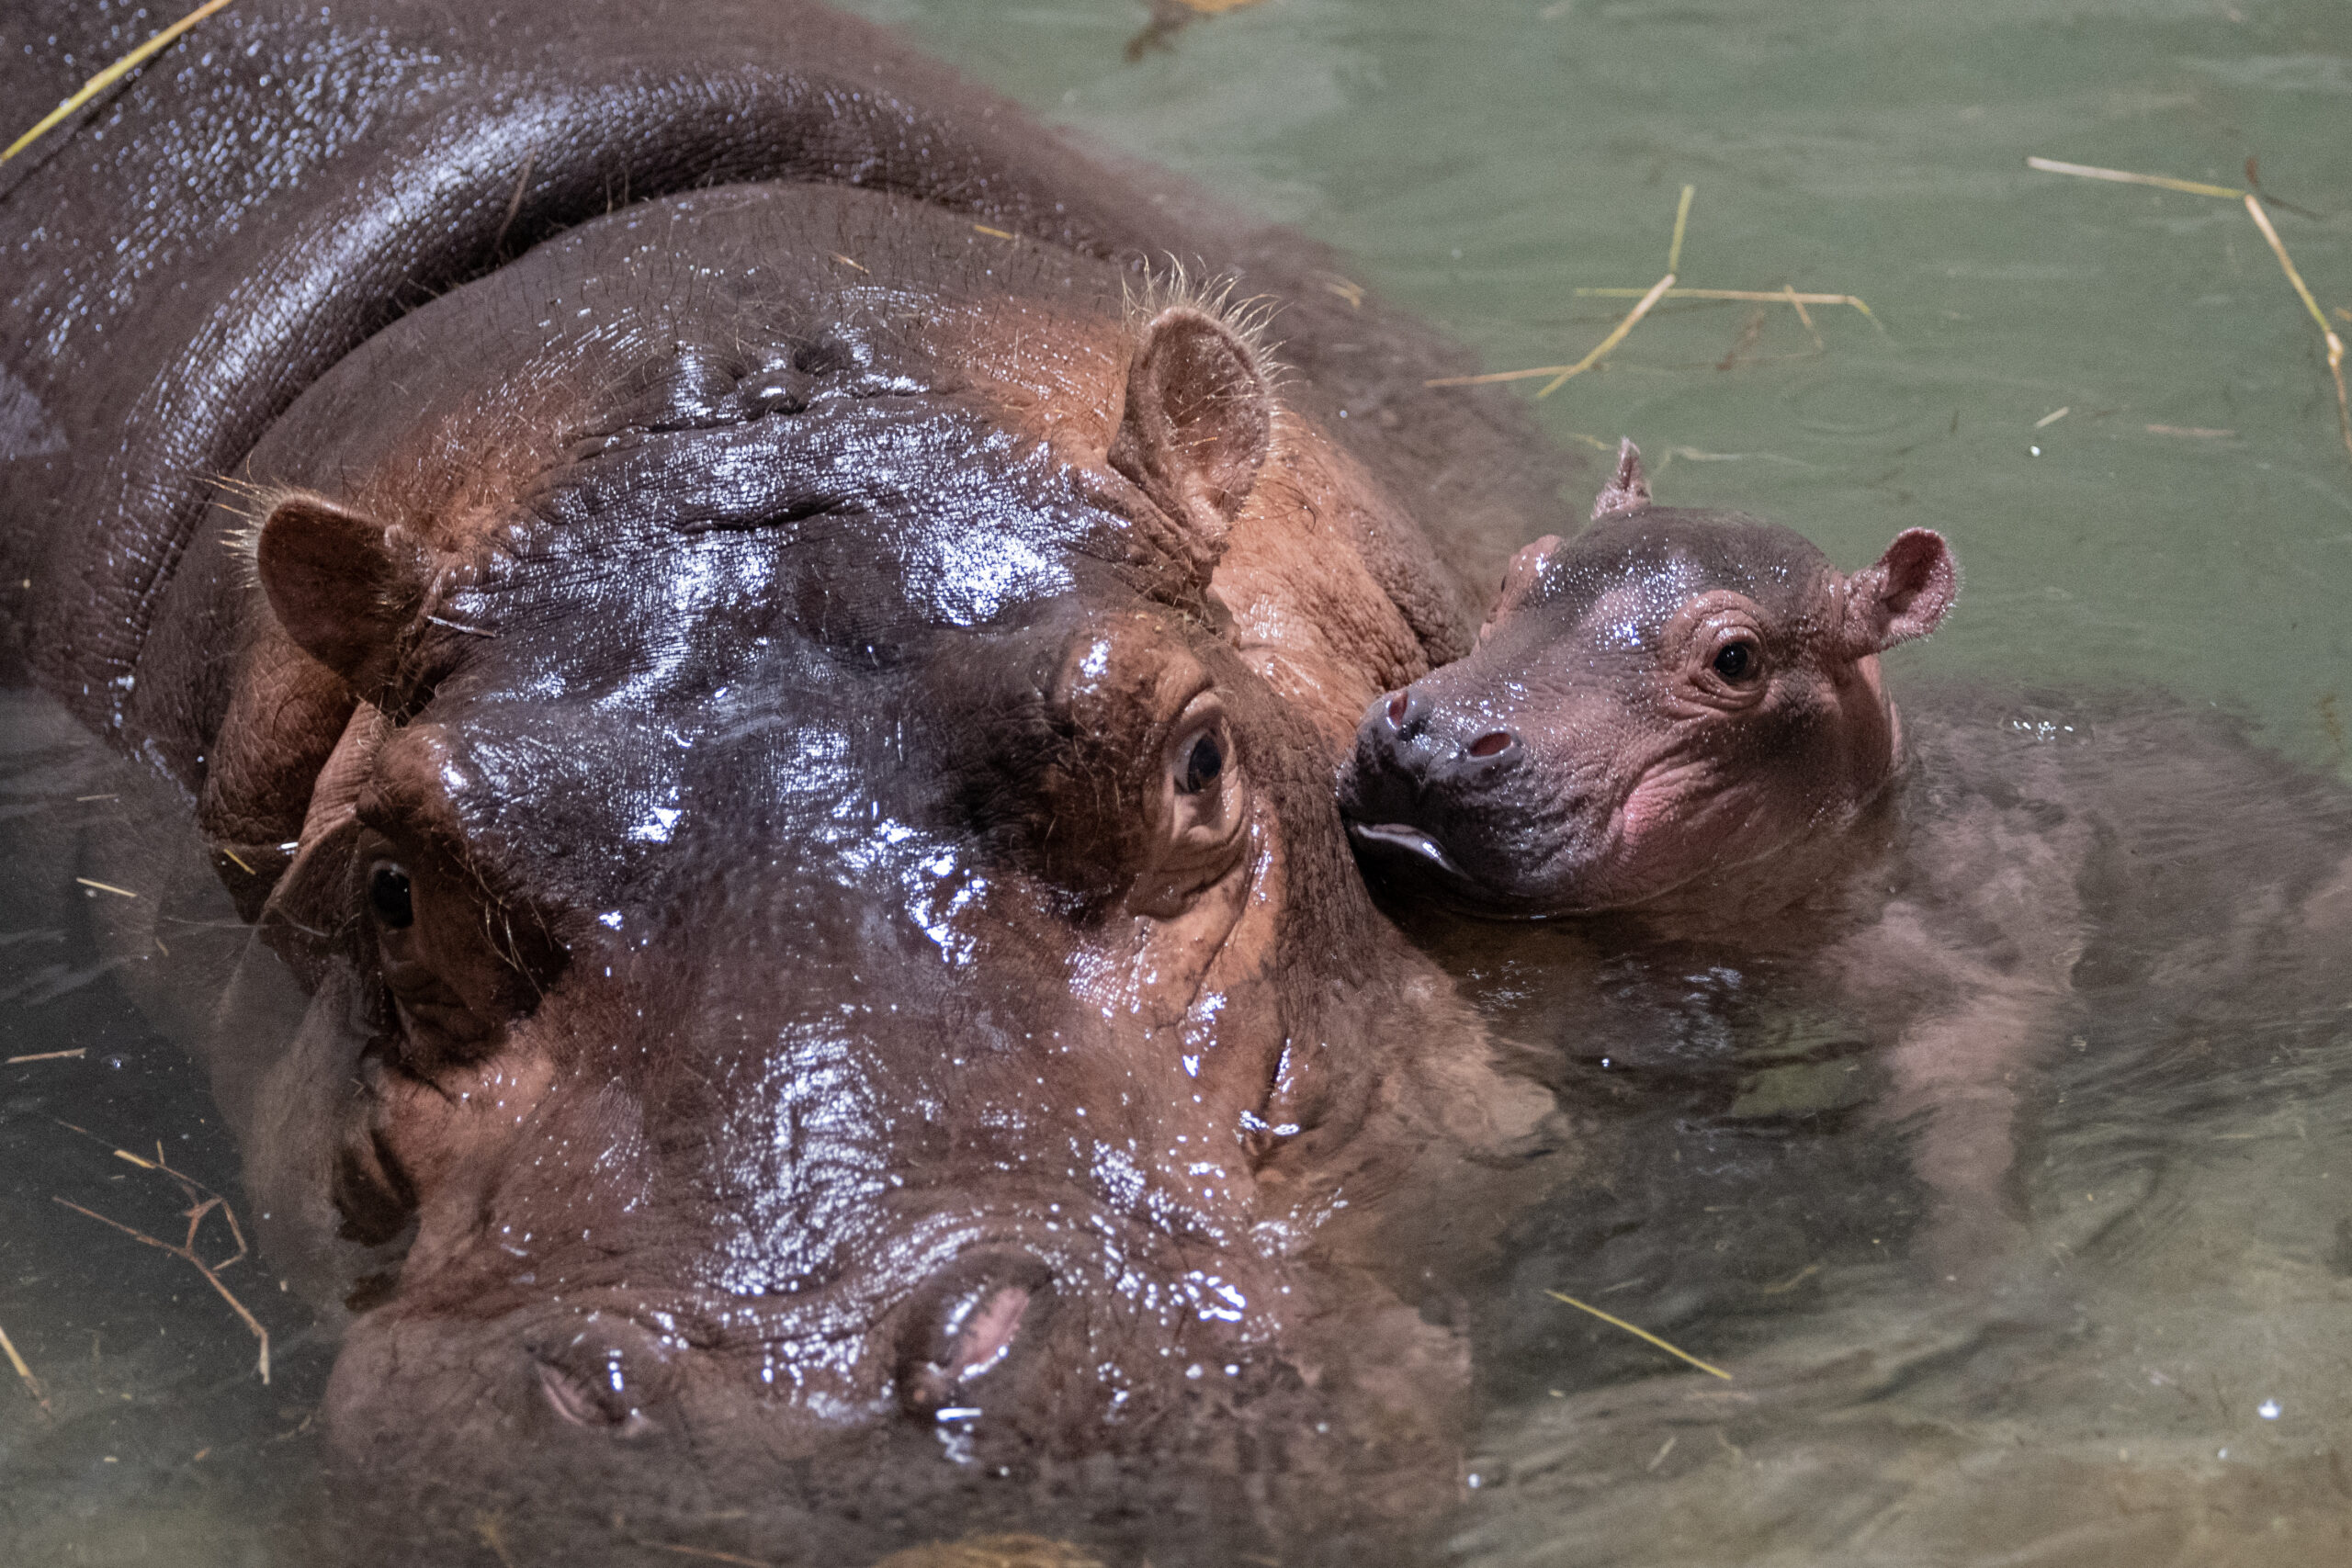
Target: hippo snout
(995, 1327)
(1407, 735)
(1414, 764)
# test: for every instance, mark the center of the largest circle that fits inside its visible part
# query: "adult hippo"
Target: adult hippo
(774, 688)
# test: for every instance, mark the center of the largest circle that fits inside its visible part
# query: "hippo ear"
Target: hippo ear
(1199, 419)
(1628, 489)
(1903, 595)
(1520, 578)
(344, 586)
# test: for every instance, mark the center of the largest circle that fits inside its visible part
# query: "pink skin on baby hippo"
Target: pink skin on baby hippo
(1674, 697)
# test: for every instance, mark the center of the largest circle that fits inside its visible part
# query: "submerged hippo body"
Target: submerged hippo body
(1673, 745)
(782, 737)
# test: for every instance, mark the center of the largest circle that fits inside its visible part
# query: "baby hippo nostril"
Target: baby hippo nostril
(1492, 744)
(1406, 712)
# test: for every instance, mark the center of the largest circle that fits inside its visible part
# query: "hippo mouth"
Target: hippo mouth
(1414, 858)
(1394, 841)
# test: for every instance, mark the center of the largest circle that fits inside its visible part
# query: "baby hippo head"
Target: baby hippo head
(1669, 697)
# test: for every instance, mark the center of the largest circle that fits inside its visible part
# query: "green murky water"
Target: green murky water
(1480, 160)
(2163, 1376)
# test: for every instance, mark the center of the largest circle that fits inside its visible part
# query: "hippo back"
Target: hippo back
(192, 250)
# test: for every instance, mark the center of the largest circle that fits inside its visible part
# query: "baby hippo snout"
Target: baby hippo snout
(1406, 736)
(1414, 758)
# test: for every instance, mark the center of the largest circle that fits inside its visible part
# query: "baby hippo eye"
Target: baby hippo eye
(1203, 761)
(389, 897)
(1738, 662)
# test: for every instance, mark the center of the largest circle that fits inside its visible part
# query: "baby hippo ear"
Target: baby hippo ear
(1628, 489)
(1199, 420)
(344, 586)
(1903, 595)
(1520, 578)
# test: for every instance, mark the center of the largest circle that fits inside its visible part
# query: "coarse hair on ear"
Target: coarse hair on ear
(1246, 318)
(1906, 594)
(344, 586)
(1197, 424)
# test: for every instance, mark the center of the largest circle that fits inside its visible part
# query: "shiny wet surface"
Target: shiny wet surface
(2155, 1372)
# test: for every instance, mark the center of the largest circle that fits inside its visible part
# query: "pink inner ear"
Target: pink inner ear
(1906, 594)
(988, 1333)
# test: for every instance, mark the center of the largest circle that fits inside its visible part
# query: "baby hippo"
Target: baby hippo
(1680, 710)
(1673, 740)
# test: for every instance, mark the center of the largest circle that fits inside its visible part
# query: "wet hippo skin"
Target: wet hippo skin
(1673, 745)
(766, 673)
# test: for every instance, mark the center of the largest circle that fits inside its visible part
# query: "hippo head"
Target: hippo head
(826, 935)
(1668, 696)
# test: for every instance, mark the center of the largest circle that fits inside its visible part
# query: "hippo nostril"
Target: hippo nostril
(968, 1329)
(1494, 743)
(602, 1375)
(1406, 712)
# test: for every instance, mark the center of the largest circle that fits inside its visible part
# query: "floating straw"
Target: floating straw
(2335, 344)
(1560, 373)
(32, 1384)
(1640, 1334)
(2254, 200)
(111, 74)
(1767, 296)
(202, 1203)
(1806, 316)
(2126, 177)
(1663, 289)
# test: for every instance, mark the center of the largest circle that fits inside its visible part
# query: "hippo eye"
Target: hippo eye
(1204, 816)
(389, 897)
(1203, 761)
(1737, 660)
